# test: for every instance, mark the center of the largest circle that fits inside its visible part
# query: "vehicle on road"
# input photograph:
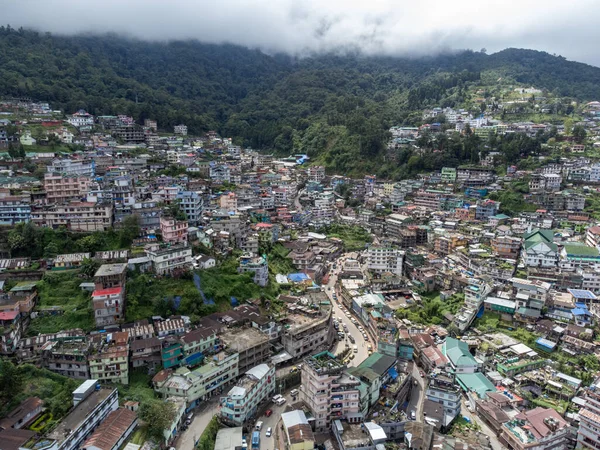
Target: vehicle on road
(258, 425)
(360, 328)
(345, 328)
(276, 398)
(355, 349)
(268, 412)
(370, 347)
(269, 431)
(413, 415)
(256, 440)
(189, 418)
(351, 338)
(422, 374)
(281, 401)
(341, 335)
(365, 336)
(294, 392)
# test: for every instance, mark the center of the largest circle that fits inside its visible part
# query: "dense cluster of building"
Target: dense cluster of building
(438, 239)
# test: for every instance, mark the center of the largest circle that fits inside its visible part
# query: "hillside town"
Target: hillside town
(270, 304)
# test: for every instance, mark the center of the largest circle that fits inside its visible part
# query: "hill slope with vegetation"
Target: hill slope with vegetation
(335, 108)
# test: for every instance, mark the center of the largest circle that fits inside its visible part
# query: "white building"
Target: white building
(76, 167)
(167, 259)
(588, 435)
(382, 259)
(90, 408)
(81, 119)
(242, 400)
(181, 130)
(258, 265)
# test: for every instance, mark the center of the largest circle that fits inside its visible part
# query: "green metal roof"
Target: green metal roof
(476, 382)
(458, 352)
(579, 249)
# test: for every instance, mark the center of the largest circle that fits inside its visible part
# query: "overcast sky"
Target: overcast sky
(297, 26)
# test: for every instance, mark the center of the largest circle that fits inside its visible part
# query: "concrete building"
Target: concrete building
(328, 391)
(192, 205)
(252, 346)
(73, 167)
(197, 385)
(110, 360)
(307, 330)
(63, 189)
(109, 306)
(67, 356)
(173, 231)
(539, 428)
(75, 216)
(381, 259)
(443, 390)
(181, 130)
(91, 407)
(169, 259)
(258, 265)
(588, 435)
(15, 209)
(252, 389)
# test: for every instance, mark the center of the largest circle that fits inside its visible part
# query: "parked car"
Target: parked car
(294, 392)
(258, 425)
(351, 338)
(269, 431)
(413, 415)
(280, 401)
(276, 398)
(268, 412)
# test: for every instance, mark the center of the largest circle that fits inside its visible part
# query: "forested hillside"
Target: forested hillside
(336, 108)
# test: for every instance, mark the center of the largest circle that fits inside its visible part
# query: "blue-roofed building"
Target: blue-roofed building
(545, 345)
(583, 296)
(582, 315)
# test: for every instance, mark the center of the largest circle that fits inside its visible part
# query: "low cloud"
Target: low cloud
(388, 27)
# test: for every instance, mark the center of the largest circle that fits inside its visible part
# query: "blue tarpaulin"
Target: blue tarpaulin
(297, 277)
(393, 373)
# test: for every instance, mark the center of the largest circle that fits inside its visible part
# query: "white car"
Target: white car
(280, 401)
(269, 431)
(276, 398)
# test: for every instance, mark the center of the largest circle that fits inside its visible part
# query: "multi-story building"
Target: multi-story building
(539, 429)
(539, 250)
(81, 119)
(180, 129)
(15, 209)
(328, 391)
(506, 246)
(305, 333)
(63, 189)
(75, 216)
(531, 297)
(109, 306)
(168, 259)
(257, 265)
(67, 356)
(448, 174)
(11, 328)
(228, 201)
(73, 167)
(110, 360)
(198, 384)
(316, 173)
(91, 406)
(475, 294)
(252, 346)
(110, 275)
(242, 400)
(382, 259)
(588, 435)
(174, 231)
(192, 205)
(443, 390)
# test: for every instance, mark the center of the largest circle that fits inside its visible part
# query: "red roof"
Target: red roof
(8, 315)
(110, 291)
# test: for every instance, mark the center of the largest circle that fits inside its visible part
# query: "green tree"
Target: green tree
(89, 267)
(579, 134)
(11, 380)
(130, 230)
(158, 415)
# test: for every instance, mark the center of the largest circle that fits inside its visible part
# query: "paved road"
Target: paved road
(202, 417)
(494, 442)
(417, 395)
(360, 342)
